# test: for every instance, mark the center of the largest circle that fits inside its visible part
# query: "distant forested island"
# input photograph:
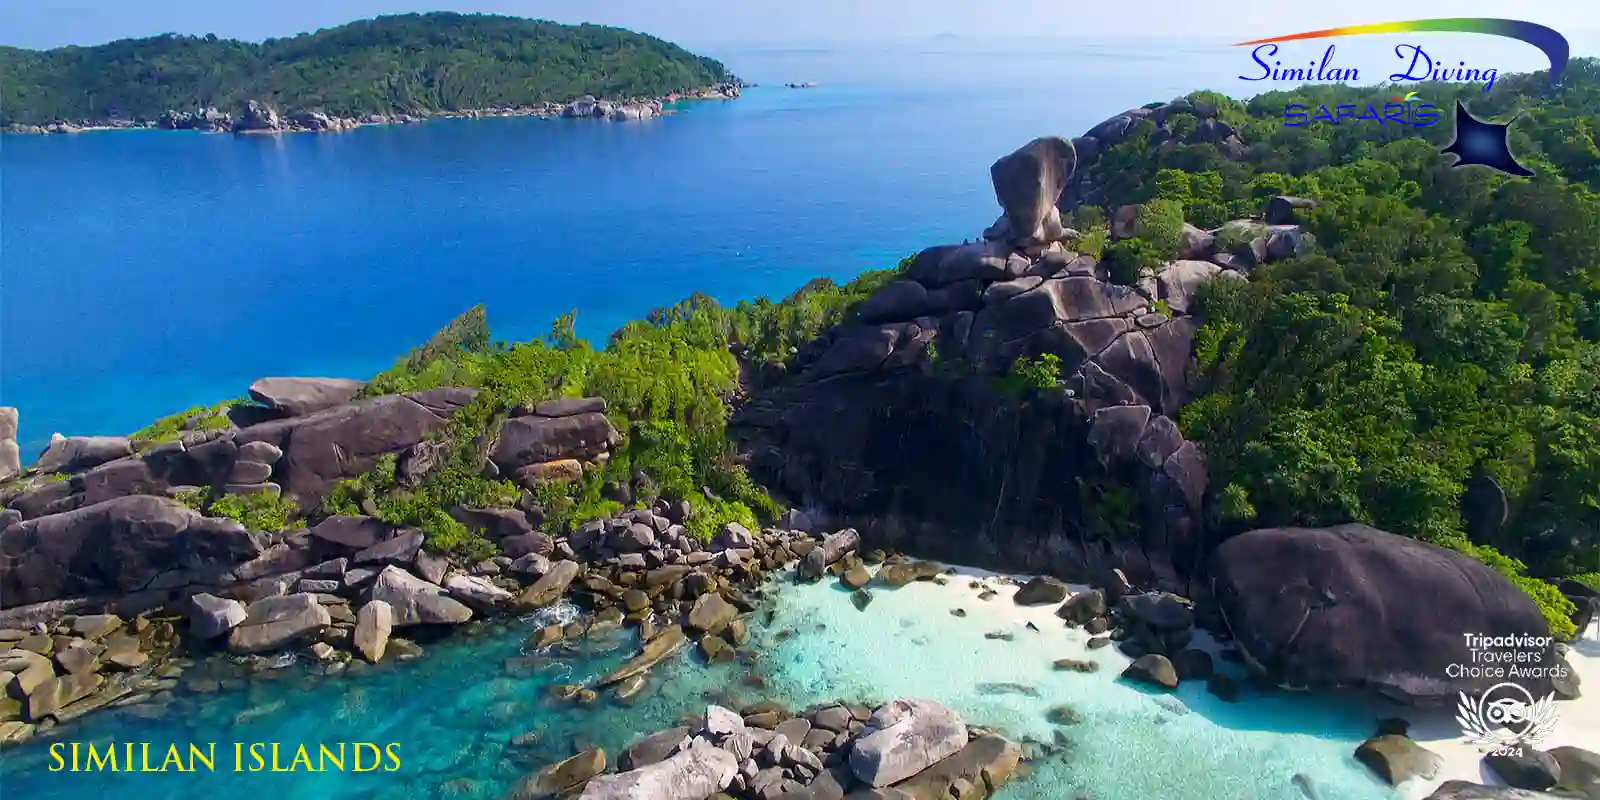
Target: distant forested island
(412, 63)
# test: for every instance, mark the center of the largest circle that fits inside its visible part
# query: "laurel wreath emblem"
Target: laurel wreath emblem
(1478, 719)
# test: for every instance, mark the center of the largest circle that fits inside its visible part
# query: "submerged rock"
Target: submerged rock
(563, 775)
(1397, 759)
(664, 644)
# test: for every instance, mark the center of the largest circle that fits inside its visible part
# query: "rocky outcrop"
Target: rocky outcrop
(904, 422)
(904, 738)
(322, 448)
(254, 116)
(415, 601)
(1085, 186)
(10, 456)
(116, 547)
(297, 397)
(1028, 183)
(78, 453)
(211, 616)
(693, 773)
(276, 622)
(205, 119)
(1356, 606)
(554, 432)
(764, 751)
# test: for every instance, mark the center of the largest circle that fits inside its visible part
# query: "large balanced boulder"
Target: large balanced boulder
(693, 773)
(115, 547)
(1028, 182)
(297, 397)
(415, 601)
(1356, 606)
(322, 448)
(904, 737)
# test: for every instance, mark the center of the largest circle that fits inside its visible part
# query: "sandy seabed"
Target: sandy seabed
(1267, 745)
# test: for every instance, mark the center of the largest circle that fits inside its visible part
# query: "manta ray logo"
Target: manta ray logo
(1483, 143)
(1477, 141)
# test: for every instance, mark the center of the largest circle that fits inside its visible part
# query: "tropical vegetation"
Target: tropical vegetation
(1441, 333)
(402, 63)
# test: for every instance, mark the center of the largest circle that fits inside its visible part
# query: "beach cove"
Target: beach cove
(487, 715)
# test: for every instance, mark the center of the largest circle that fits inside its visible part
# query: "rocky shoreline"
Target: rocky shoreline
(257, 117)
(907, 749)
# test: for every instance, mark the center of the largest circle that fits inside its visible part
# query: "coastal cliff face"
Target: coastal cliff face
(909, 422)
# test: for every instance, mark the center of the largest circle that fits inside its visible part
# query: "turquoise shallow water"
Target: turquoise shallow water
(454, 711)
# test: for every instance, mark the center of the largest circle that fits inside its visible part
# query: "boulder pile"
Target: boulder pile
(56, 673)
(1089, 474)
(908, 748)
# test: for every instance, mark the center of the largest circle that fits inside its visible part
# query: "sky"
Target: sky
(52, 23)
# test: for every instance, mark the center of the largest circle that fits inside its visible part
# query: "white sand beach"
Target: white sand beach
(1578, 723)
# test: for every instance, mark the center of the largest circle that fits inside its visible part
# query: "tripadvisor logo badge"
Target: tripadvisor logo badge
(1506, 718)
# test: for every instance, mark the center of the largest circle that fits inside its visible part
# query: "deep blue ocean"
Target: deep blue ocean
(145, 272)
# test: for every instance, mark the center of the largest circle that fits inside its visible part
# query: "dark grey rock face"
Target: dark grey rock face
(1356, 606)
(322, 448)
(78, 453)
(115, 547)
(896, 423)
(538, 439)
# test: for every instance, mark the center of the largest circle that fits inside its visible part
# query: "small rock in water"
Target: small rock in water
(1303, 782)
(958, 612)
(1008, 688)
(1004, 636)
(1033, 627)
(987, 594)
(1077, 666)
(861, 598)
(1062, 715)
